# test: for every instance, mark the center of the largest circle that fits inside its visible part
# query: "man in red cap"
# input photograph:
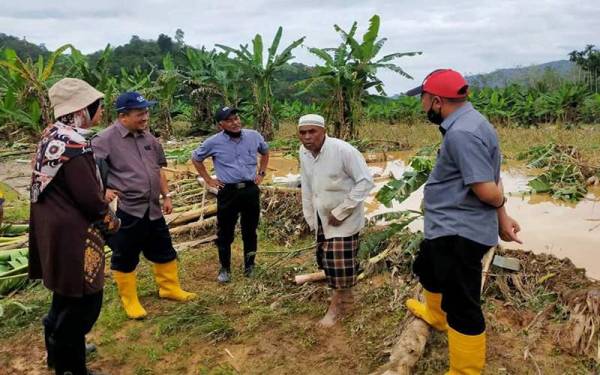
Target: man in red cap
(464, 214)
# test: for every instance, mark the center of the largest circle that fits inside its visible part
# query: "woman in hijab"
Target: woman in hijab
(68, 222)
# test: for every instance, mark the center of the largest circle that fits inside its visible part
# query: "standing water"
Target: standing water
(547, 225)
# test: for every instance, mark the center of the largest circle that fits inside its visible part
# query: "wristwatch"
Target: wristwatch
(501, 205)
(262, 173)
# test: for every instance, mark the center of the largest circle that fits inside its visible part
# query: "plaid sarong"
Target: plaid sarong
(337, 257)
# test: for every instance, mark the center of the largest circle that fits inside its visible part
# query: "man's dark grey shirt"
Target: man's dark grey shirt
(469, 154)
(134, 161)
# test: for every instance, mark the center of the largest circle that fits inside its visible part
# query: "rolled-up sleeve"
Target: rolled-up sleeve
(203, 151)
(472, 157)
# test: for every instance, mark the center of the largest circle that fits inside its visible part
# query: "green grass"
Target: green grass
(194, 319)
(512, 140)
(24, 311)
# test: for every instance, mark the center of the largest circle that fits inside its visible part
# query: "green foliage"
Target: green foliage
(30, 81)
(411, 180)
(405, 109)
(348, 72)
(13, 230)
(23, 48)
(588, 59)
(260, 74)
(190, 83)
(181, 155)
(564, 173)
(527, 106)
(373, 243)
(164, 92)
(16, 315)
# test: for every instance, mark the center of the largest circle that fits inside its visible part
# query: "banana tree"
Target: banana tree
(98, 75)
(349, 71)
(164, 91)
(212, 79)
(36, 77)
(259, 74)
(12, 113)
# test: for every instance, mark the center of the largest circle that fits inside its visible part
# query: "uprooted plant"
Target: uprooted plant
(565, 174)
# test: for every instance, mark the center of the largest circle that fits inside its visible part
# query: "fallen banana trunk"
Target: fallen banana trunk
(195, 228)
(186, 217)
(411, 345)
(15, 243)
(190, 244)
(282, 189)
(408, 350)
(309, 277)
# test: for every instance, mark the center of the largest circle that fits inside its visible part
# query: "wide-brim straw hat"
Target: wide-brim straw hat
(70, 95)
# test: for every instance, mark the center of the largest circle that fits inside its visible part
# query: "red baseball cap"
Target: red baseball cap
(446, 83)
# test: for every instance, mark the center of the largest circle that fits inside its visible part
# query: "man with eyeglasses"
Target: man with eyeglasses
(132, 160)
(234, 154)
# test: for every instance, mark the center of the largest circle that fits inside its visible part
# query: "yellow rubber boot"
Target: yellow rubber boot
(126, 283)
(430, 311)
(466, 352)
(168, 282)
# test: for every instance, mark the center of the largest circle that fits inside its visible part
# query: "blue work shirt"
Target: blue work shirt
(234, 158)
(469, 154)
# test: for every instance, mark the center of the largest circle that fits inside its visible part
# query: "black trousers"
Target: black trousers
(233, 202)
(65, 327)
(150, 237)
(451, 265)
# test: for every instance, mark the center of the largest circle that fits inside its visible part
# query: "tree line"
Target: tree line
(263, 79)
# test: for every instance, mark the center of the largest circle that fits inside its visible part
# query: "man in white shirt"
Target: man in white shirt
(335, 183)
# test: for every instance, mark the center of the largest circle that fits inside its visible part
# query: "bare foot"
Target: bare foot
(334, 311)
(329, 319)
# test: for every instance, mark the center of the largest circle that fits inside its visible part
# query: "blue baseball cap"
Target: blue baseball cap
(223, 113)
(132, 100)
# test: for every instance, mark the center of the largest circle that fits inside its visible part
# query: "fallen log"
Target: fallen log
(411, 345)
(189, 244)
(486, 264)
(408, 350)
(309, 277)
(281, 189)
(197, 226)
(186, 217)
(16, 153)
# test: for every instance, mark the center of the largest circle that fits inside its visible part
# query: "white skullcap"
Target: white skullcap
(312, 119)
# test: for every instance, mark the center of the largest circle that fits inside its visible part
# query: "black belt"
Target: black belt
(240, 185)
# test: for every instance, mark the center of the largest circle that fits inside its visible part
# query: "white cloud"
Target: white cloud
(470, 36)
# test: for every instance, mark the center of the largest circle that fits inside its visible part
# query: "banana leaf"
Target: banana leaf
(11, 283)
(13, 230)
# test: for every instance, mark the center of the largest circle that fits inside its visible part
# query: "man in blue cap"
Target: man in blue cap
(133, 160)
(234, 153)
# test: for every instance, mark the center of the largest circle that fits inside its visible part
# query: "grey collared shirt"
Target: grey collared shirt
(469, 154)
(134, 161)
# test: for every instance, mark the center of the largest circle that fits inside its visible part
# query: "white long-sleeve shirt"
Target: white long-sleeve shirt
(337, 181)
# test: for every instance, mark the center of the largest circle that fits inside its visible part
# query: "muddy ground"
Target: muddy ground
(266, 324)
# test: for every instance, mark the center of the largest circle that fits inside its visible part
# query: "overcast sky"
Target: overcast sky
(470, 36)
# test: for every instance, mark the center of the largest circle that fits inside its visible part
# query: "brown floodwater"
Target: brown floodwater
(566, 230)
(547, 225)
